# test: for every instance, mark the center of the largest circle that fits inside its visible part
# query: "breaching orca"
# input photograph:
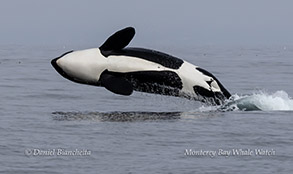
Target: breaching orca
(122, 70)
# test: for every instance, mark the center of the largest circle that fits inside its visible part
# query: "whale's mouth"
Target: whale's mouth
(55, 65)
(60, 70)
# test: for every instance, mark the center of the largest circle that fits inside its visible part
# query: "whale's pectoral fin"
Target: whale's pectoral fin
(117, 85)
(119, 40)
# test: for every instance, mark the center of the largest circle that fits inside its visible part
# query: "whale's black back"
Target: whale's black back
(147, 54)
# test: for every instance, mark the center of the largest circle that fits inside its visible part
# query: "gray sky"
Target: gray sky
(193, 22)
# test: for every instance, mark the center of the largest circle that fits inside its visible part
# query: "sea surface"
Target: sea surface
(51, 125)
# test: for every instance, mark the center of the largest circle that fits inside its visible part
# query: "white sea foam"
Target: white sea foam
(278, 101)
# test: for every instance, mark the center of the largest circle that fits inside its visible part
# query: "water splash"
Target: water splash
(278, 101)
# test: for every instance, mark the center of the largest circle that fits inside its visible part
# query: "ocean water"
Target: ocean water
(51, 125)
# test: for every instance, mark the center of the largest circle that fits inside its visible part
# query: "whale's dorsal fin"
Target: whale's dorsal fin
(118, 40)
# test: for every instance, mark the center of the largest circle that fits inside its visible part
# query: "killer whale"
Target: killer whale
(122, 70)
